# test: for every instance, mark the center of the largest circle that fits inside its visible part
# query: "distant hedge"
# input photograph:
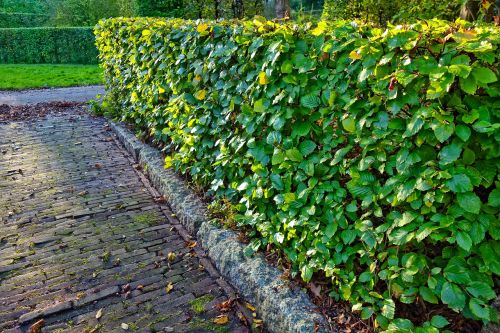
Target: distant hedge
(369, 155)
(48, 45)
(22, 20)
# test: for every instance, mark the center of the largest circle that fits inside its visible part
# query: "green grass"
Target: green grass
(21, 76)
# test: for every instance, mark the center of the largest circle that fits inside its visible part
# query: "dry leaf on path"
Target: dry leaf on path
(221, 320)
(98, 314)
(169, 287)
(124, 326)
(37, 327)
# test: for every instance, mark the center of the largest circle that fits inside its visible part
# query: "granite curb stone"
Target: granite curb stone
(281, 308)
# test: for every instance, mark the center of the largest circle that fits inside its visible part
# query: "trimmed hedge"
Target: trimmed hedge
(370, 156)
(48, 45)
(23, 20)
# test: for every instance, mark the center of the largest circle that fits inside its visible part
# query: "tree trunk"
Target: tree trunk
(282, 9)
(238, 9)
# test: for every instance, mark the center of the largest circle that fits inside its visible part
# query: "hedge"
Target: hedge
(48, 45)
(23, 20)
(365, 155)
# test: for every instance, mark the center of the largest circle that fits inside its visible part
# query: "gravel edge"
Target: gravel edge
(282, 309)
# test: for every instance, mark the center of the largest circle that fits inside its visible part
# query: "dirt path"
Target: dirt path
(72, 94)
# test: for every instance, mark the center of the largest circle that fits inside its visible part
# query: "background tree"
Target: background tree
(282, 8)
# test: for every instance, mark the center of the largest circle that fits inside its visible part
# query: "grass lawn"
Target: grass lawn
(20, 76)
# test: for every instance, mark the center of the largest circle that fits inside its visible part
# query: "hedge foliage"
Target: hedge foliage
(21, 20)
(48, 45)
(371, 156)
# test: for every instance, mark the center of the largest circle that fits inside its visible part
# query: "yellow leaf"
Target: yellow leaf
(98, 314)
(161, 90)
(258, 322)
(354, 55)
(250, 307)
(171, 256)
(168, 162)
(200, 95)
(169, 287)
(197, 78)
(146, 33)
(202, 27)
(263, 78)
(221, 320)
(319, 29)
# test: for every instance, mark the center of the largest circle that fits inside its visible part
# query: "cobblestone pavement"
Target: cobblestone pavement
(85, 246)
(70, 94)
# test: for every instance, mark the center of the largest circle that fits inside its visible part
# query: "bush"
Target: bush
(48, 45)
(20, 20)
(366, 155)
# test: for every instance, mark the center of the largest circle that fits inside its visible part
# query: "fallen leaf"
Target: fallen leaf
(258, 322)
(37, 327)
(169, 287)
(98, 314)
(171, 256)
(160, 200)
(192, 244)
(98, 165)
(124, 326)
(221, 320)
(140, 287)
(250, 306)
(242, 318)
(225, 306)
(126, 288)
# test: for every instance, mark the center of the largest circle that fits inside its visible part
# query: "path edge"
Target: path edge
(283, 309)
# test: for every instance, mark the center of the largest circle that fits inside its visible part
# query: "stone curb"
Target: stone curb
(282, 309)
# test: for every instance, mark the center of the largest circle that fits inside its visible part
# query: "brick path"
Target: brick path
(80, 232)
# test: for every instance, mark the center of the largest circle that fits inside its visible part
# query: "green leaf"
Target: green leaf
(494, 198)
(259, 106)
(481, 290)
(286, 67)
(450, 153)
(443, 131)
(453, 296)
(310, 101)
(468, 85)
(301, 128)
(470, 202)
(460, 70)
(413, 127)
(439, 321)
(348, 236)
(463, 132)
(388, 309)
(307, 147)
(428, 295)
(294, 155)
(306, 273)
(277, 182)
(459, 183)
(464, 240)
(349, 124)
(479, 309)
(484, 75)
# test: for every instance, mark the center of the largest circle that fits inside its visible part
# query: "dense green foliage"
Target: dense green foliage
(385, 11)
(21, 76)
(19, 20)
(48, 45)
(193, 9)
(371, 156)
